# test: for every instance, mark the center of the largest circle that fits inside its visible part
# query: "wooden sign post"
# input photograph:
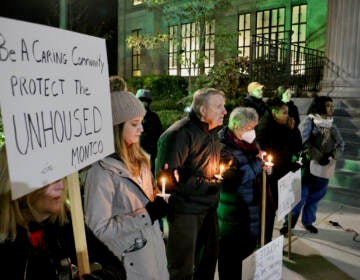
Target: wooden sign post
(263, 208)
(289, 194)
(77, 217)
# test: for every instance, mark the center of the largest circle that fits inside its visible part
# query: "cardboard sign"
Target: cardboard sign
(289, 193)
(265, 263)
(55, 102)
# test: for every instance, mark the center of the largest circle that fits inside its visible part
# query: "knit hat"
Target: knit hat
(254, 85)
(144, 95)
(125, 106)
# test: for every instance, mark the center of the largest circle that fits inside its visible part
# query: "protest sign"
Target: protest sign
(55, 102)
(265, 263)
(289, 193)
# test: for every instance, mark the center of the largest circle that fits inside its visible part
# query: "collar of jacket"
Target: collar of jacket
(203, 125)
(115, 165)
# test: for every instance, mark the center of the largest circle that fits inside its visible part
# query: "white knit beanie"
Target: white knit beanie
(125, 106)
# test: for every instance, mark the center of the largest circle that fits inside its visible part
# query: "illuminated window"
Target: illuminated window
(137, 2)
(184, 49)
(244, 39)
(271, 23)
(298, 26)
(136, 57)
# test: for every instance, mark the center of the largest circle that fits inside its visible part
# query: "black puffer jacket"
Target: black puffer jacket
(194, 151)
(47, 250)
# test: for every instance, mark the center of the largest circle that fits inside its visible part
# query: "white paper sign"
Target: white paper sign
(289, 193)
(55, 102)
(265, 263)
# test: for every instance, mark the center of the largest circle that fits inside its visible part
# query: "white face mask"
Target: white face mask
(249, 136)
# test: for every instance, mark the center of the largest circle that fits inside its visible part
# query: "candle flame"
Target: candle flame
(269, 158)
(222, 168)
(163, 181)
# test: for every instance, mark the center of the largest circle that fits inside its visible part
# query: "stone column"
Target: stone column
(342, 67)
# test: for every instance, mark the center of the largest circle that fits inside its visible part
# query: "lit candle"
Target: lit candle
(163, 183)
(269, 163)
(222, 167)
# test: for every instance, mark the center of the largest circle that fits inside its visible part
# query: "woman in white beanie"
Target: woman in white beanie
(120, 204)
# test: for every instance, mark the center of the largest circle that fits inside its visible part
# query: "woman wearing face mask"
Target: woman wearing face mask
(238, 211)
(276, 138)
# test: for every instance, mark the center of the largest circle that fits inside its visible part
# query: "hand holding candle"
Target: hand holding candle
(268, 165)
(163, 193)
(222, 169)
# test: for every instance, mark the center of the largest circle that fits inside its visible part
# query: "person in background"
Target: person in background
(121, 205)
(36, 236)
(191, 147)
(238, 210)
(284, 93)
(117, 83)
(152, 127)
(284, 144)
(254, 99)
(324, 144)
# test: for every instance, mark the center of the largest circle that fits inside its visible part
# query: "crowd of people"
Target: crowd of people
(213, 178)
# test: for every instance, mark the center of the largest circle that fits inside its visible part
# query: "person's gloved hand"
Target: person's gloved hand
(171, 179)
(157, 208)
(324, 160)
(268, 169)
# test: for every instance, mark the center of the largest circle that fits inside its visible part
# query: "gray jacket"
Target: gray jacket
(114, 209)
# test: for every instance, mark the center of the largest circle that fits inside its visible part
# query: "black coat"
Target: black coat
(47, 257)
(257, 103)
(194, 150)
(282, 143)
(152, 131)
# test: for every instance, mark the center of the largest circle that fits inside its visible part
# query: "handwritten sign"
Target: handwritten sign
(289, 193)
(55, 102)
(265, 263)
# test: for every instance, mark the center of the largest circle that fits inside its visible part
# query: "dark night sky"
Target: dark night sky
(98, 18)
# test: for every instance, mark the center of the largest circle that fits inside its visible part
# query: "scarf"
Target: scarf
(249, 149)
(321, 122)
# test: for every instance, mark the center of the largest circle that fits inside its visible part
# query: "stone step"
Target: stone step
(345, 123)
(346, 180)
(351, 151)
(350, 134)
(348, 165)
(342, 196)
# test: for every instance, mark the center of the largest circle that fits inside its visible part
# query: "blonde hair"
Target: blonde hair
(134, 157)
(16, 212)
